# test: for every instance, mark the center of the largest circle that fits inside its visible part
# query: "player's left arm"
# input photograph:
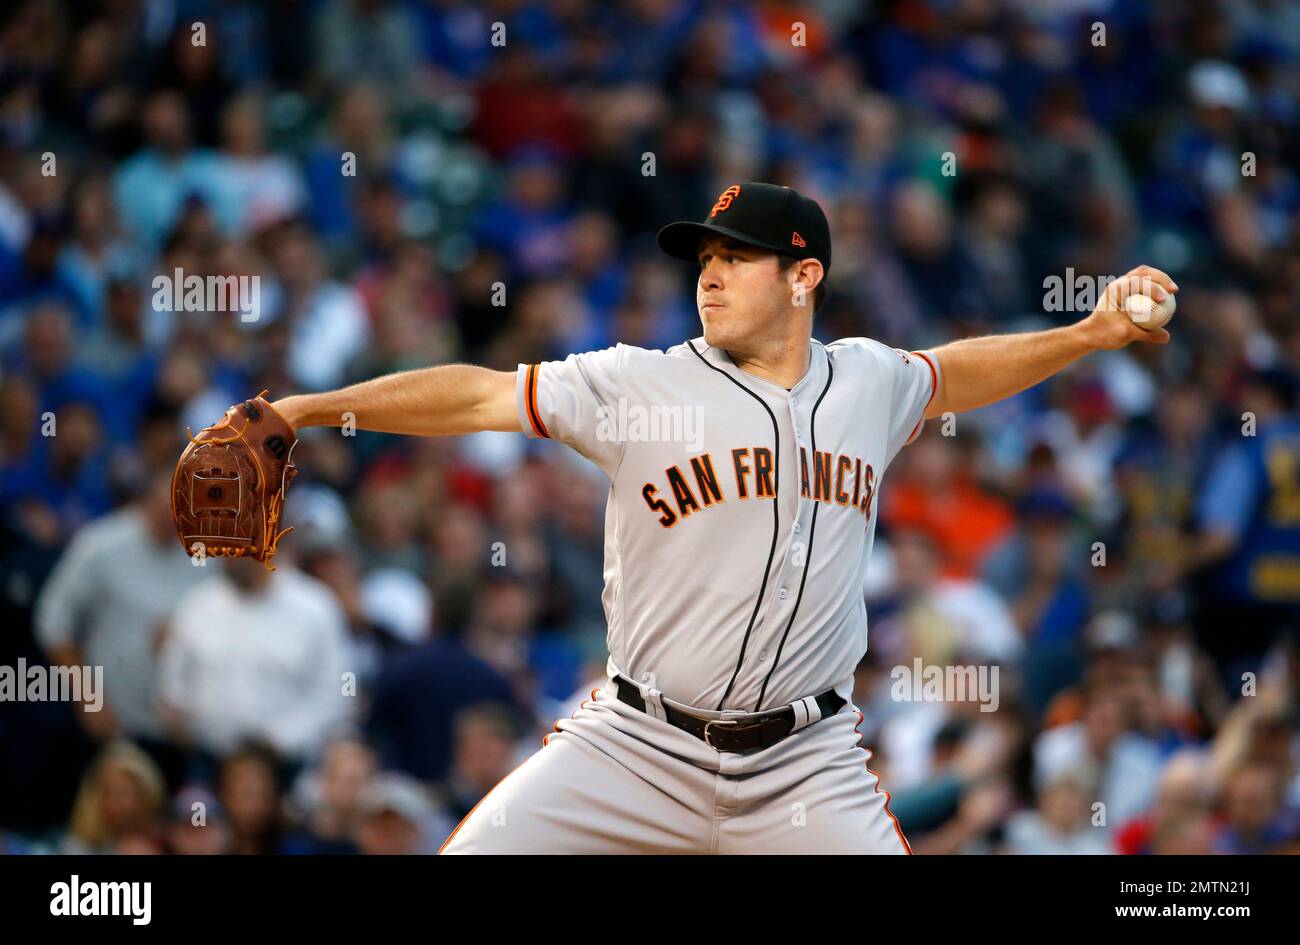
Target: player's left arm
(975, 372)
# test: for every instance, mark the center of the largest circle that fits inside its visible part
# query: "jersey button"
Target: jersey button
(796, 528)
(783, 594)
(762, 655)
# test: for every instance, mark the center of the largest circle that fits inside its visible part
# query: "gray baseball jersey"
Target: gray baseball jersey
(739, 523)
(741, 515)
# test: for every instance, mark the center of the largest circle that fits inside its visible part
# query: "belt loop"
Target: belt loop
(654, 702)
(806, 712)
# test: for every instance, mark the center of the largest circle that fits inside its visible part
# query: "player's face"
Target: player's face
(741, 294)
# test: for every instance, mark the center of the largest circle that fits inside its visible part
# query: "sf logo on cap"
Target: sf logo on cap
(724, 200)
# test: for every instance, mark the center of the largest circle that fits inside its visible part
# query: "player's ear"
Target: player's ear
(816, 272)
(806, 276)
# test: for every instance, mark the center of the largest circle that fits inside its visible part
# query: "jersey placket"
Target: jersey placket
(783, 595)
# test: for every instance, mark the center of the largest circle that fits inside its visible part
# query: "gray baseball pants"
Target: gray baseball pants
(614, 779)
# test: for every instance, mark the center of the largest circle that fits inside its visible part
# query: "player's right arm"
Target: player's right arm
(975, 372)
(448, 400)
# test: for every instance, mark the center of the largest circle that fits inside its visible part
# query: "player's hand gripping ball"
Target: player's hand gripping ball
(229, 485)
(1147, 313)
(1133, 307)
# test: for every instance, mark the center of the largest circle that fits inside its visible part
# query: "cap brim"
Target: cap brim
(682, 240)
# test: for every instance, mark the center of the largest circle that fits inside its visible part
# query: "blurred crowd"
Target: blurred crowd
(1122, 542)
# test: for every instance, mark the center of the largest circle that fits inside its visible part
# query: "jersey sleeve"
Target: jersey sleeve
(572, 400)
(915, 382)
(900, 386)
(911, 378)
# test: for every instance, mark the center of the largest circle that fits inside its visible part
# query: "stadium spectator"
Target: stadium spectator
(1257, 821)
(397, 818)
(94, 611)
(1061, 824)
(249, 789)
(482, 754)
(198, 825)
(246, 656)
(416, 698)
(1125, 766)
(122, 798)
(327, 799)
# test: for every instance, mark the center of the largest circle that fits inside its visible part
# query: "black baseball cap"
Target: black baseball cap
(771, 217)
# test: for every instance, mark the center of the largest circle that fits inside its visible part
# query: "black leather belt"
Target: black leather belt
(761, 730)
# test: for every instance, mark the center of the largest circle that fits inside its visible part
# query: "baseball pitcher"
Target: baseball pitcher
(734, 557)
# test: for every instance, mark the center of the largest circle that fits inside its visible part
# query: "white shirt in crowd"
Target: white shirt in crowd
(1130, 772)
(987, 630)
(267, 663)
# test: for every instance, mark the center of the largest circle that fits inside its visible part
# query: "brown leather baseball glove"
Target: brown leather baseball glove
(229, 485)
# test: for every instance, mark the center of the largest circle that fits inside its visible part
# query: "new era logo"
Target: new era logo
(797, 240)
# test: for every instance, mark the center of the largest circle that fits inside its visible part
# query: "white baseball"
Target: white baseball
(1147, 313)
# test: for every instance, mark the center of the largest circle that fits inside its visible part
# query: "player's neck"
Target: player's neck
(784, 363)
